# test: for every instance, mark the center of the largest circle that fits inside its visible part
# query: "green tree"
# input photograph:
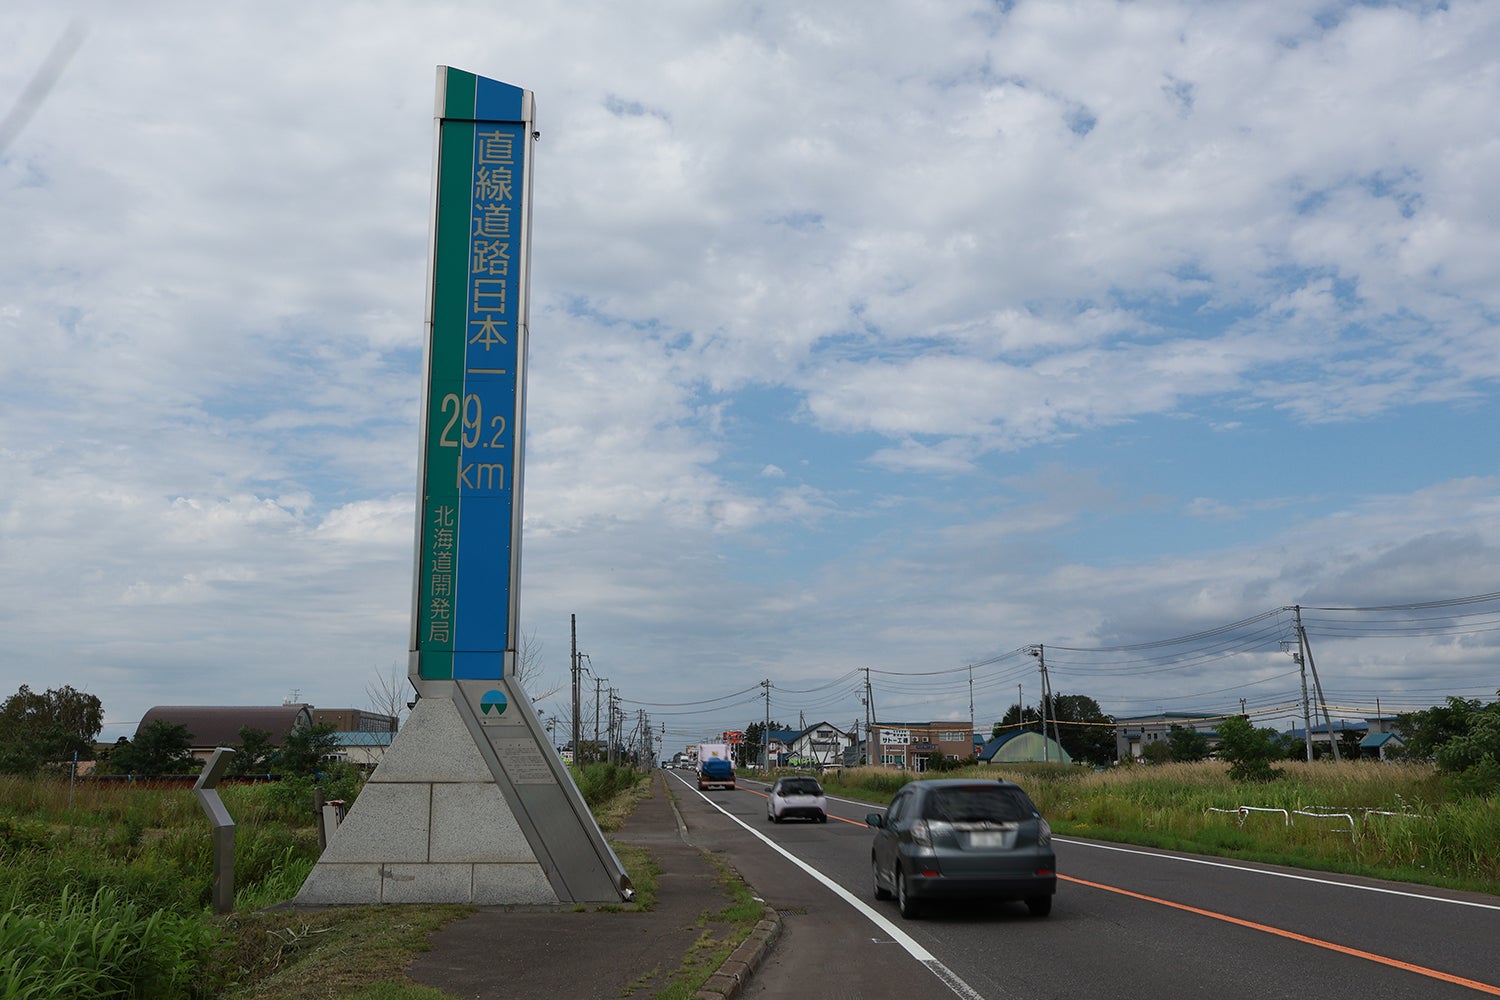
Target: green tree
(1159, 752)
(1426, 732)
(1017, 715)
(1463, 738)
(51, 727)
(748, 751)
(255, 752)
(938, 761)
(1250, 750)
(1187, 744)
(161, 748)
(589, 752)
(1083, 728)
(305, 749)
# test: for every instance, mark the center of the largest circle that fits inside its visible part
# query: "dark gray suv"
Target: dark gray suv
(963, 839)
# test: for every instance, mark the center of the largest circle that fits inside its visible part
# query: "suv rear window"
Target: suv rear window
(977, 804)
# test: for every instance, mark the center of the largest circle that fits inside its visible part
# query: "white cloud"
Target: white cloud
(936, 257)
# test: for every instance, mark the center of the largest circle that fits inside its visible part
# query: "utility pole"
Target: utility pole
(641, 750)
(765, 733)
(1306, 711)
(617, 741)
(609, 727)
(869, 719)
(1041, 656)
(597, 682)
(577, 705)
(1052, 700)
(971, 701)
(1318, 684)
(802, 728)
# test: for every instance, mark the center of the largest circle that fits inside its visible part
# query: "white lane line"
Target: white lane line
(949, 978)
(1262, 871)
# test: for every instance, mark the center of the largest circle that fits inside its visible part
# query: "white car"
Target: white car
(796, 797)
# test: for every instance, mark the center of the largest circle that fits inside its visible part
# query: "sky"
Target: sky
(865, 336)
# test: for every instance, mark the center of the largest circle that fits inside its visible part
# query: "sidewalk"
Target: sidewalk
(561, 953)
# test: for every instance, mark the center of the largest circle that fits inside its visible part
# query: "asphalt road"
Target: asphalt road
(1126, 922)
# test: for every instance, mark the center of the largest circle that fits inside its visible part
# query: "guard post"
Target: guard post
(223, 828)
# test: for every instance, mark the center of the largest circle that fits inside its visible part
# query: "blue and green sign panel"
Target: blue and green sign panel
(468, 535)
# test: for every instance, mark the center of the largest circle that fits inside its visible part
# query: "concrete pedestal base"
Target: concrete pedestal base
(430, 826)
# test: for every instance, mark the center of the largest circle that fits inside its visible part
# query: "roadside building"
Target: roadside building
(779, 745)
(213, 726)
(1134, 734)
(910, 745)
(1376, 734)
(856, 756)
(1381, 745)
(821, 746)
(355, 720)
(363, 737)
(364, 749)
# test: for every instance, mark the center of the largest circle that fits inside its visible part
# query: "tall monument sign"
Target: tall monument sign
(471, 803)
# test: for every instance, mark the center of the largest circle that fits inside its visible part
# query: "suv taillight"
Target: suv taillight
(920, 834)
(1043, 832)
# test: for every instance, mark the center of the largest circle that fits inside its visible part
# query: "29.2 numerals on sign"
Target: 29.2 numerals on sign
(468, 418)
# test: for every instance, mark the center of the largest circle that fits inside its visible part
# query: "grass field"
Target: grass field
(106, 889)
(106, 892)
(1396, 821)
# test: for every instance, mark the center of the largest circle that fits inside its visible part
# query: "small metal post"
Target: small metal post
(223, 826)
(322, 824)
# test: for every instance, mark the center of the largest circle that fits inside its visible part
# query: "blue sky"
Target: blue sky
(864, 335)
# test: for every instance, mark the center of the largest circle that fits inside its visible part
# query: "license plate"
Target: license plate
(986, 839)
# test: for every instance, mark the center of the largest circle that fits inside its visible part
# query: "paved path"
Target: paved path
(563, 954)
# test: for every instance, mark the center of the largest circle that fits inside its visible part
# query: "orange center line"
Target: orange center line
(1316, 942)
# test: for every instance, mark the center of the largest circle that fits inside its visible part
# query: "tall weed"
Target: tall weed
(101, 946)
(601, 781)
